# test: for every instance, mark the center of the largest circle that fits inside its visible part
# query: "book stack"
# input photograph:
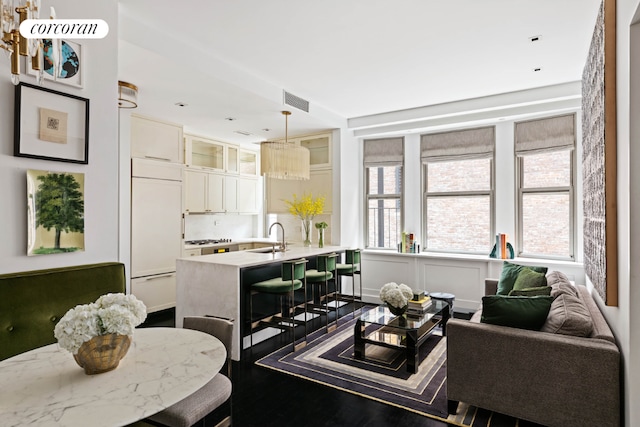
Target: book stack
(408, 244)
(418, 306)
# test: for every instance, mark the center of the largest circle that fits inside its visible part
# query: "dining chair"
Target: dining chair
(215, 393)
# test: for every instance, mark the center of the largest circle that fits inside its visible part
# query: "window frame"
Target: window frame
(395, 196)
(492, 206)
(546, 190)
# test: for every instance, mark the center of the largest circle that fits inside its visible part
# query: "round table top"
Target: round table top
(46, 387)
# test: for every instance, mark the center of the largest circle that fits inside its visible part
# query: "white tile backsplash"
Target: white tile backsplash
(214, 226)
(293, 228)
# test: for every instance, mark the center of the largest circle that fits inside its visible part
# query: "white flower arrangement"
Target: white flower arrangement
(110, 314)
(396, 295)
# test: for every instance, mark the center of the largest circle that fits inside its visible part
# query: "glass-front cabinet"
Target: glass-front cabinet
(232, 159)
(205, 153)
(319, 150)
(248, 162)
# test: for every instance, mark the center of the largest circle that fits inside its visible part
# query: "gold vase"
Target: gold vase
(102, 353)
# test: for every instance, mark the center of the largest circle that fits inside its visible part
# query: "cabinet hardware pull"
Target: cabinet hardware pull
(157, 158)
(159, 277)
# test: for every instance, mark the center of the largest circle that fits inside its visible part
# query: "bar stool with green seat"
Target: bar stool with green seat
(292, 279)
(351, 268)
(321, 275)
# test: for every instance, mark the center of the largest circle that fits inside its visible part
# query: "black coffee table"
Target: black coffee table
(402, 332)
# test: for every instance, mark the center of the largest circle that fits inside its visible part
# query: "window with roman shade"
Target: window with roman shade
(458, 190)
(383, 166)
(545, 180)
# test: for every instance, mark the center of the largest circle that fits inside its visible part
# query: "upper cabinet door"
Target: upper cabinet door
(319, 150)
(153, 139)
(205, 153)
(248, 162)
(232, 159)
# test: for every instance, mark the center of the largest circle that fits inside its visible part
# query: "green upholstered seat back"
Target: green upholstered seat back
(294, 269)
(353, 256)
(326, 262)
(32, 302)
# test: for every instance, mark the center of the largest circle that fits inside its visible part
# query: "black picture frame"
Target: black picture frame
(50, 125)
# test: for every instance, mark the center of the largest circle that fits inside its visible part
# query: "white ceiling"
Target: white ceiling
(348, 58)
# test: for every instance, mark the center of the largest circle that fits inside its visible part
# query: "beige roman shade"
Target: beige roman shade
(548, 134)
(458, 144)
(383, 152)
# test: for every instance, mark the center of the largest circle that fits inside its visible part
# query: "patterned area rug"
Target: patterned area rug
(328, 359)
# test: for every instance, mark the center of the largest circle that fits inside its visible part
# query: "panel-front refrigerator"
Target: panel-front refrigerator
(156, 231)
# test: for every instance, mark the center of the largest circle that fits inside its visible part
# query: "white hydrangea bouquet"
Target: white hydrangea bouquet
(111, 314)
(396, 296)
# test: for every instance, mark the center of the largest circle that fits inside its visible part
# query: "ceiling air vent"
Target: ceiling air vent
(296, 101)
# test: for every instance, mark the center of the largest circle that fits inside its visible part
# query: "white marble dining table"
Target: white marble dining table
(46, 387)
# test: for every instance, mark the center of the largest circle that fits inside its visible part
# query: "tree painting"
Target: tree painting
(58, 203)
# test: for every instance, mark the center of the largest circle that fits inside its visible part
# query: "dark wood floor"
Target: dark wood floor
(263, 397)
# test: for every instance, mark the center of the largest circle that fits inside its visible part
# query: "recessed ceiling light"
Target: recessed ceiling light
(242, 132)
(266, 130)
(535, 38)
(535, 70)
(229, 119)
(181, 104)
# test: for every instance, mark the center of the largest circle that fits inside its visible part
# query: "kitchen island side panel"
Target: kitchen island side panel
(209, 289)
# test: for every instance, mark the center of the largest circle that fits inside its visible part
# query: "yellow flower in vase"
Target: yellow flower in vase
(306, 208)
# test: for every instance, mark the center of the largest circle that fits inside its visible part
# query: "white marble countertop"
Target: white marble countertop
(251, 257)
(234, 242)
(45, 386)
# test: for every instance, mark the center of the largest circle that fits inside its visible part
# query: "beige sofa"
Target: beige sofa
(548, 378)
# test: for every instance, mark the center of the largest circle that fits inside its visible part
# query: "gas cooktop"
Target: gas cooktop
(207, 241)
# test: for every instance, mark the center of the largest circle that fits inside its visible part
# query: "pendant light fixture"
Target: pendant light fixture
(284, 160)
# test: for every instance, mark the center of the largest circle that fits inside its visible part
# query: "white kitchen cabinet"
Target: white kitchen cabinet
(248, 163)
(205, 153)
(156, 231)
(247, 200)
(157, 140)
(156, 292)
(319, 147)
(320, 183)
(215, 193)
(195, 190)
(241, 195)
(232, 159)
(192, 252)
(204, 191)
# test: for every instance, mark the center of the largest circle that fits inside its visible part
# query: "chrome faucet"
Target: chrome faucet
(283, 245)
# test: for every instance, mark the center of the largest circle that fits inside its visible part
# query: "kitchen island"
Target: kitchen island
(217, 284)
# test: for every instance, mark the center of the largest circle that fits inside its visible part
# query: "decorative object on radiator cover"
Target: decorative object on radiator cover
(99, 334)
(599, 157)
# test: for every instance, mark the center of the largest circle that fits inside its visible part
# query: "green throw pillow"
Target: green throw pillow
(516, 312)
(509, 275)
(531, 292)
(527, 278)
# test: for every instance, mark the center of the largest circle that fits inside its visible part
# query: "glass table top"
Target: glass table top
(381, 315)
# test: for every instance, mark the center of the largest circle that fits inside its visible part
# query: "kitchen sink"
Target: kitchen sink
(265, 250)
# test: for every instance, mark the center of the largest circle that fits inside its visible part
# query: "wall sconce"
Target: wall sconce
(17, 46)
(127, 95)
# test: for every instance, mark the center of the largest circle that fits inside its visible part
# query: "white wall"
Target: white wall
(101, 174)
(625, 319)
